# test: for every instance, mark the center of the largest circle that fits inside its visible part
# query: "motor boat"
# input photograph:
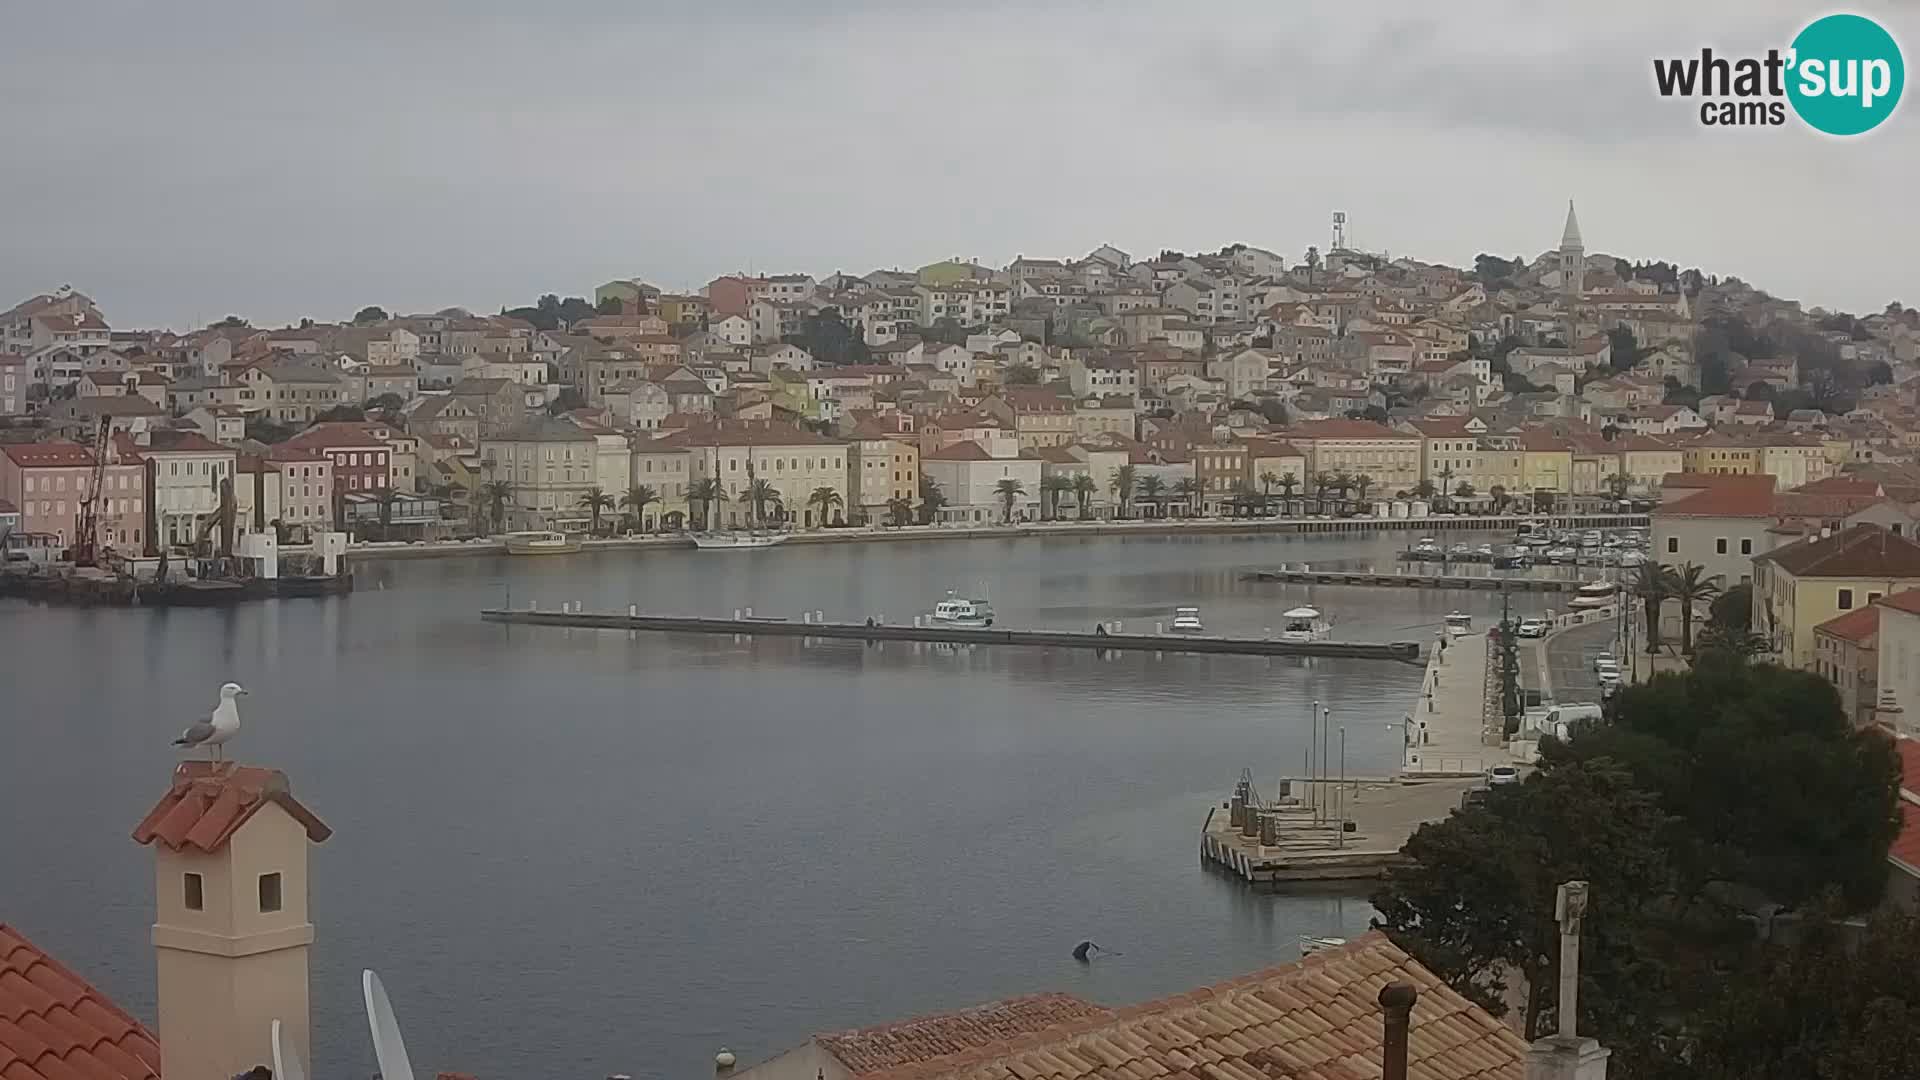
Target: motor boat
(1484, 551)
(1186, 620)
(1632, 559)
(1303, 624)
(1459, 624)
(959, 611)
(1594, 594)
(737, 541)
(1459, 551)
(541, 542)
(1562, 554)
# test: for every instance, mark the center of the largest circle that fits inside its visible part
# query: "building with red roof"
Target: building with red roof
(48, 482)
(1801, 585)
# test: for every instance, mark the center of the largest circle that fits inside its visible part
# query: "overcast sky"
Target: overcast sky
(180, 160)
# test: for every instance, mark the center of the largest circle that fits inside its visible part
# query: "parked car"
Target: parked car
(1533, 628)
(1605, 659)
(1501, 775)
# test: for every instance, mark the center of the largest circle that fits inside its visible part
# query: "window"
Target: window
(1872, 597)
(1846, 599)
(193, 898)
(1746, 545)
(270, 892)
(1720, 546)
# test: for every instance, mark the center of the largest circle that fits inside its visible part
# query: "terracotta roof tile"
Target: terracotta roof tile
(1857, 625)
(908, 1042)
(54, 1025)
(209, 801)
(1730, 500)
(1317, 1019)
(1854, 552)
(1909, 602)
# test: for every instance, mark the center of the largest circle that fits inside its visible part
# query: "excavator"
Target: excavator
(221, 519)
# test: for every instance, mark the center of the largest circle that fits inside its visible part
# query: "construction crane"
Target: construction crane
(86, 539)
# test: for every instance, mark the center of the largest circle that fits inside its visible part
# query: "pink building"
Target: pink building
(47, 482)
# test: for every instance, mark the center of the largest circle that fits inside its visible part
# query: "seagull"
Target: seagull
(218, 728)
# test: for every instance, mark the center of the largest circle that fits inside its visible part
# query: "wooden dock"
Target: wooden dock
(1402, 651)
(1301, 839)
(1414, 581)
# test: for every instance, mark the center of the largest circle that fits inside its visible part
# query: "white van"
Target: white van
(1559, 719)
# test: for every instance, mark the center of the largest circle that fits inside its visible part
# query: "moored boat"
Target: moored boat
(1594, 594)
(1459, 624)
(541, 542)
(1186, 620)
(960, 611)
(737, 541)
(1304, 624)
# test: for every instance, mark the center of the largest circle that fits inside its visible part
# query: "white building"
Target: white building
(969, 474)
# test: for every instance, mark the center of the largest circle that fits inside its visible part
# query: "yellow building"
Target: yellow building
(668, 471)
(1718, 453)
(1801, 585)
(883, 464)
(1647, 460)
(1793, 460)
(795, 461)
(681, 309)
(1391, 459)
(1546, 463)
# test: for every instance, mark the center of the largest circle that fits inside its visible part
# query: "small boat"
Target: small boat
(1186, 620)
(541, 542)
(1594, 594)
(1313, 943)
(957, 610)
(1459, 624)
(736, 541)
(1304, 624)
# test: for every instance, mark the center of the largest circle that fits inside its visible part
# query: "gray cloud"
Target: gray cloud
(180, 161)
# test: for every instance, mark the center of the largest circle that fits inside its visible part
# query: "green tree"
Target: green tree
(1123, 484)
(1617, 485)
(496, 494)
(900, 509)
(370, 314)
(1463, 490)
(1008, 491)
(1022, 375)
(1084, 488)
(232, 322)
(825, 501)
(1732, 610)
(1189, 490)
(1653, 583)
(635, 503)
(1692, 587)
(708, 494)
(1362, 483)
(387, 497)
(387, 403)
(760, 495)
(1497, 494)
(1475, 901)
(931, 499)
(1053, 488)
(593, 502)
(1288, 482)
(349, 413)
(612, 305)
(1152, 489)
(1446, 475)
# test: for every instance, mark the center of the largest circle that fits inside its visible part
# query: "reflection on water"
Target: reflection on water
(579, 852)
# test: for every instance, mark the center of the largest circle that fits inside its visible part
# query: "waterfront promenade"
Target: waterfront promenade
(1453, 727)
(1154, 527)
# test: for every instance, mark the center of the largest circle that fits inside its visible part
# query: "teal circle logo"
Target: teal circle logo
(1845, 74)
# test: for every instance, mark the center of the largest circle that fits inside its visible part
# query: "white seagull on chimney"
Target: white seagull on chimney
(218, 728)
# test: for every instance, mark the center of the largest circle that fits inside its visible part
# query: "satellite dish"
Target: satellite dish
(389, 1050)
(286, 1059)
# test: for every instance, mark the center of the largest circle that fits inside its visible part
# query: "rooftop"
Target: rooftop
(1854, 552)
(923, 1038)
(54, 1025)
(210, 800)
(1856, 626)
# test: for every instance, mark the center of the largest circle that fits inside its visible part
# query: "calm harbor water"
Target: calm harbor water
(573, 853)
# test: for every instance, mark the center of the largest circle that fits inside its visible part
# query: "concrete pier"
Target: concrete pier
(1453, 729)
(1403, 651)
(1393, 580)
(1295, 843)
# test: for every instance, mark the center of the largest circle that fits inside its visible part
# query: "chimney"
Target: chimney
(230, 929)
(1396, 1000)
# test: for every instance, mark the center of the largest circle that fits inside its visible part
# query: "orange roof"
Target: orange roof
(1905, 849)
(1343, 429)
(1908, 601)
(1858, 551)
(210, 800)
(1856, 626)
(908, 1042)
(48, 455)
(1841, 485)
(54, 1026)
(1731, 500)
(1318, 1017)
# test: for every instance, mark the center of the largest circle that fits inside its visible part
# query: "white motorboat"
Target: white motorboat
(1594, 594)
(1186, 620)
(1459, 624)
(957, 610)
(1313, 943)
(541, 542)
(737, 541)
(1304, 624)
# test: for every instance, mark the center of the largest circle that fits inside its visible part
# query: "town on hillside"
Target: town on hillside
(1236, 382)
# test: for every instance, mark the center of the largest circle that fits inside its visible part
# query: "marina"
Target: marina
(952, 633)
(1392, 580)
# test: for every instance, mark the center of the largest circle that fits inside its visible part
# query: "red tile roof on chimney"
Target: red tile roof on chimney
(210, 800)
(1315, 1019)
(55, 1026)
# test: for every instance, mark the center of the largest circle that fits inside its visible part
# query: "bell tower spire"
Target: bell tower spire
(1573, 271)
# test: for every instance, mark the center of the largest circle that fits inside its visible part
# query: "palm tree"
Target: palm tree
(1267, 481)
(759, 495)
(1152, 490)
(931, 499)
(1653, 584)
(1084, 485)
(707, 495)
(1008, 491)
(1423, 490)
(827, 499)
(1190, 489)
(1691, 586)
(636, 501)
(387, 497)
(1618, 484)
(1288, 482)
(1322, 483)
(1445, 474)
(593, 502)
(1051, 489)
(1246, 499)
(1342, 484)
(1123, 486)
(900, 508)
(1498, 494)
(1360, 485)
(496, 494)
(1463, 490)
